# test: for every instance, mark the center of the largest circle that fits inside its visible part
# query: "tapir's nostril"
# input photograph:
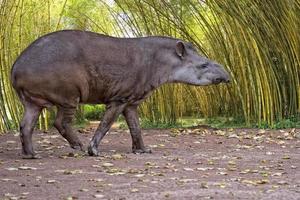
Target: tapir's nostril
(219, 80)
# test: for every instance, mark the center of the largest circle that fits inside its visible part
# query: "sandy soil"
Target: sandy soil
(185, 164)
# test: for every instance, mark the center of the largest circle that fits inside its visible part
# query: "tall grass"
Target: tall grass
(257, 41)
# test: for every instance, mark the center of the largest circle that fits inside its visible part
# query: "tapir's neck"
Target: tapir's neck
(161, 76)
(161, 67)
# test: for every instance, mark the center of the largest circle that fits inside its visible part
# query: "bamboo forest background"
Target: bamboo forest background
(258, 42)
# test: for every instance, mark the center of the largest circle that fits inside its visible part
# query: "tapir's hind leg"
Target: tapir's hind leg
(27, 125)
(63, 124)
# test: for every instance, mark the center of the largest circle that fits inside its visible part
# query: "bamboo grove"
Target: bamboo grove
(256, 40)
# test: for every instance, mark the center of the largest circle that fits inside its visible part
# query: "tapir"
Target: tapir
(71, 67)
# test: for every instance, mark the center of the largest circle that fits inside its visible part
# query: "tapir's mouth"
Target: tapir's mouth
(217, 81)
(220, 80)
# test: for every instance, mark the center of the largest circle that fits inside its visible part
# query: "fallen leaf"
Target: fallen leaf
(282, 183)
(71, 172)
(231, 168)
(233, 136)
(204, 168)
(203, 185)
(117, 156)
(210, 162)
(221, 185)
(264, 174)
(262, 181)
(115, 171)
(174, 132)
(277, 174)
(69, 198)
(26, 168)
(12, 169)
(187, 180)
(51, 181)
(220, 133)
(139, 175)
(188, 169)
(134, 190)
(7, 179)
(167, 195)
(107, 165)
(150, 163)
(296, 135)
(286, 157)
(222, 173)
(98, 196)
(249, 182)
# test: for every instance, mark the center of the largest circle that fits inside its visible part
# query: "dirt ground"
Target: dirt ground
(197, 163)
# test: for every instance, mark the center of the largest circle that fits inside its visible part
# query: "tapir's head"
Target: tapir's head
(191, 68)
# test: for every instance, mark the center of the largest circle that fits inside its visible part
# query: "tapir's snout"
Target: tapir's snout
(223, 75)
(226, 78)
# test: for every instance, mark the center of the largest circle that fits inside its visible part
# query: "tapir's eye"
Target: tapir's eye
(203, 66)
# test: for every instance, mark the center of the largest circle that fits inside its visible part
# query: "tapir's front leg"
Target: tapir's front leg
(112, 112)
(132, 119)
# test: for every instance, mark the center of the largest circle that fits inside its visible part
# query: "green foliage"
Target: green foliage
(226, 122)
(79, 115)
(81, 124)
(146, 124)
(93, 112)
(286, 123)
(291, 122)
(186, 122)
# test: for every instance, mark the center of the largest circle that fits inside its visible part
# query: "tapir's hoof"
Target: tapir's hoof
(28, 153)
(140, 151)
(31, 156)
(93, 151)
(77, 145)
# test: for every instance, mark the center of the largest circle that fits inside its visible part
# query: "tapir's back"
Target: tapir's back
(66, 47)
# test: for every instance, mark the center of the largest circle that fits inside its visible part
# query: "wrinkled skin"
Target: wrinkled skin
(68, 68)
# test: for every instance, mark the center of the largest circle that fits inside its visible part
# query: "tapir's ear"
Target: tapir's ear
(180, 49)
